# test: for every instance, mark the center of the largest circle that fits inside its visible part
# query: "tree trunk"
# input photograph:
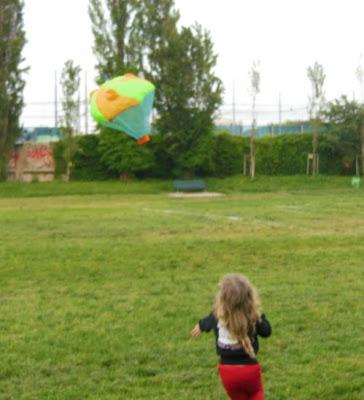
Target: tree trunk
(3, 148)
(68, 172)
(2, 165)
(124, 177)
(362, 147)
(244, 164)
(252, 151)
(315, 139)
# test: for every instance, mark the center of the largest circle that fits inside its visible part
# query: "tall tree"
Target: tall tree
(154, 24)
(12, 41)
(112, 23)
(190, 94)
(317, 77)
(180, 62)
(70, 82)
(344, 135)
(254, 90)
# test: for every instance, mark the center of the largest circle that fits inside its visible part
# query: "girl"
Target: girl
(237, 324)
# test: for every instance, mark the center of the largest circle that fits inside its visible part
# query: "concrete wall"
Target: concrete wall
(30, 162)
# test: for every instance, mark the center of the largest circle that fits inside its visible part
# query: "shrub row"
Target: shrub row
(111, 154)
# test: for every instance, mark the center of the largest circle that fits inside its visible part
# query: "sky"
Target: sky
(286, 36)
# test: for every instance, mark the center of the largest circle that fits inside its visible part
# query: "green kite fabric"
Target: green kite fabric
(125, 104)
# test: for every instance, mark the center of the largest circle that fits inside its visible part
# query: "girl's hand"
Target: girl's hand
(196, 331)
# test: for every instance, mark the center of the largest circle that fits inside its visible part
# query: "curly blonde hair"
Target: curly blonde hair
(237, 306)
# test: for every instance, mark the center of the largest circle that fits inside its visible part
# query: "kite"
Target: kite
(125, 104)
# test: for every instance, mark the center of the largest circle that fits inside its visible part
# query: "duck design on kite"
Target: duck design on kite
(125, 104)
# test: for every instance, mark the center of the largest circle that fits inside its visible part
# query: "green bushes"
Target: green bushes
(287, 155)
(87, 162)
(228, 152)
(283, 155)
(111, 154)
(122, 155)
(59, 160)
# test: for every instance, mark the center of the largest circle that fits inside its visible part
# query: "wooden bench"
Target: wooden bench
(189, 185)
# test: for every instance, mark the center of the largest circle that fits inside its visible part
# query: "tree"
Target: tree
(12, 41)
(317, 77)
(70, 82)
(254, 89)
(112, 23)
(154, 24)
(189, 95)
(343, 120)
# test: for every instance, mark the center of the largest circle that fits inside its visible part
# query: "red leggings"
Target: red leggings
(242, 382)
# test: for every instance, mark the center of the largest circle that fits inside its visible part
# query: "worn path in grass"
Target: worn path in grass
(99, 293)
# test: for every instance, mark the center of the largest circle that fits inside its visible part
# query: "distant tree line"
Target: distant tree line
(145, 37)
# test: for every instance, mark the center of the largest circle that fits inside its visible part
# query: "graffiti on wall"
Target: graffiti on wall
(31, 158)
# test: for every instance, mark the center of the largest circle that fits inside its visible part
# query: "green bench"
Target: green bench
(189, 185)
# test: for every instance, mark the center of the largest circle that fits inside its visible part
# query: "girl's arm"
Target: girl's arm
(204, 325)
(263, 327)
(208, 323)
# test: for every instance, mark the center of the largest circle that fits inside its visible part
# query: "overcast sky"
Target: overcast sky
(285, 35)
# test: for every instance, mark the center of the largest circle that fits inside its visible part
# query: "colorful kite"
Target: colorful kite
(125, 104)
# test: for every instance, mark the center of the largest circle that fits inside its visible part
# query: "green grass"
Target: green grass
(234, 184)
(99, 291)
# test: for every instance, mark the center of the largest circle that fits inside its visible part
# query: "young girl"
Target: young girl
(237, 324)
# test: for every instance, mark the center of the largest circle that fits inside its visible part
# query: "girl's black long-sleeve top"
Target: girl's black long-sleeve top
(236, 355)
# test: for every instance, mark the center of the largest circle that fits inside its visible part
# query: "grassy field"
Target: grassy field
(101, 285)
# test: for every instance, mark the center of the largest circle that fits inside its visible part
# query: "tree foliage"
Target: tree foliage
(112, 24)
(154, 24)
(122, 155)
(342, 120)
(228, 153)
(12, 41)
(316, 76)
(87, 163)
(190, 94)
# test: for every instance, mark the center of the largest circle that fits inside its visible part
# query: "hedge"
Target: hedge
(275, 155)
